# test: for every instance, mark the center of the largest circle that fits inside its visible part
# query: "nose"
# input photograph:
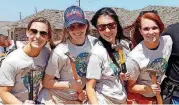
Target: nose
(107, 29)
(151, 31)
(37, 35)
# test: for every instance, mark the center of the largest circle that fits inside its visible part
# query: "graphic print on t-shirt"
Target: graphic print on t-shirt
(113, 67)
(81, 63)
(158, 64)
(37, 76)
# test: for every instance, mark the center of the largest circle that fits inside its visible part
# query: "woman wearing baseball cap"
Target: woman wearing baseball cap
(60, 86)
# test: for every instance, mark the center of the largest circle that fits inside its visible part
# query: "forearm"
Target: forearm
(140, 89)
(91, 95)
(9, 98)
(54, 84)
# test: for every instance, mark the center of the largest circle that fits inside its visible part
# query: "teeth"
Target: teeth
(153, 39)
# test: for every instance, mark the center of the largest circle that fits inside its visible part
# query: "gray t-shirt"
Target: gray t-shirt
(60, 67)
(15, 68)
(142, 58)
(101, 68)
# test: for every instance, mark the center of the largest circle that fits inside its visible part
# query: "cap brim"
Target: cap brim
(75, 21)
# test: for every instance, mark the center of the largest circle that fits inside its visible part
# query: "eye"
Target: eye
(155, 28)
(146, 29)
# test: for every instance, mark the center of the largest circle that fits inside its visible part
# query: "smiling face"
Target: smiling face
(149, 30)
(107, 28)
(38, 34)
(77, 32)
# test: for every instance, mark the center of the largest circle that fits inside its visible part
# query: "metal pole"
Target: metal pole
(20, 15)
(79, 3)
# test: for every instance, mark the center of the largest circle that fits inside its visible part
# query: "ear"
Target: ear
(140, 30)
(27, 33)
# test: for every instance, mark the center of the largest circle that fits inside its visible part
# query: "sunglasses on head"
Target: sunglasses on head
(35, 31)
(72, 27)
(144, 12)
(102, 27)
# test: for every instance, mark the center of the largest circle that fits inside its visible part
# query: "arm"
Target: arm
(7, 97)
(137, 88)
(50, 82)
(90, 85)
(132, 86)
(7, 80)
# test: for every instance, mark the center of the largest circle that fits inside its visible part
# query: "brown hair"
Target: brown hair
(136, 35)
(65, 36)
(42, 20)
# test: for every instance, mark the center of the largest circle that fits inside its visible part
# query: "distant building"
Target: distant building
(169, 15)
(55, 17)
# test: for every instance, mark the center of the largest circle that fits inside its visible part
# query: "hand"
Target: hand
(125, 76)
(82, 96)
(28, 102)
(156, 88)
(76, 85)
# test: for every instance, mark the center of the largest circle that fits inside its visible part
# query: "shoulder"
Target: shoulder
(93, 40)
(137, 51)
(173, 26)
(99, 49)
(167, 39)
(61, 48)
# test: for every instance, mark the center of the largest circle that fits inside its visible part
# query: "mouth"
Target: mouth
(151, 39)
(37, 42)
(78, 34)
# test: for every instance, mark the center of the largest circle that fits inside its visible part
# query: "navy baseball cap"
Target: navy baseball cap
(74, 14)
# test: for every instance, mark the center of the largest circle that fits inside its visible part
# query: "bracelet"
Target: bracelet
(69, 85)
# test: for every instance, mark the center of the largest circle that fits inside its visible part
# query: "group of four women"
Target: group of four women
(97, 62)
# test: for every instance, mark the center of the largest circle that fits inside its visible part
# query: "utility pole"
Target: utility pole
(20, 15)
(78, 1)
(35, 9)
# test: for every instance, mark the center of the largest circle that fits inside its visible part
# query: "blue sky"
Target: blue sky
(9, 9)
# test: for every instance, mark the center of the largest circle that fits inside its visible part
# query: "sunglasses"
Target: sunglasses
(102, 27)
(76, 26)
(35, 31)
(144, 12)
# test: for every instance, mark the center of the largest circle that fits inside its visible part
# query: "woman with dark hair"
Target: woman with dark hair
(150, 54)
(31, 59)
(60, 84)
(104, 85)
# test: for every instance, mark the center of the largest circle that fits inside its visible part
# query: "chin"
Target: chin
(36, 45)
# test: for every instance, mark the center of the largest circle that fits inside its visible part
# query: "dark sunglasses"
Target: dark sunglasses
(102, 27)
(76, 26)
(35, 31)
(144, 12)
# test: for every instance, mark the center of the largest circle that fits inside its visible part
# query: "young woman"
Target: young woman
(104, 85)
(59, 82)
(32, 58)
(151, 53)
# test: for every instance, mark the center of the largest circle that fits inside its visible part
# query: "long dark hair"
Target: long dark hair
(110, 12)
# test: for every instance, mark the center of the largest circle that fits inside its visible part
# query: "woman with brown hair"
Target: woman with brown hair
(60, 85)
(31, 59)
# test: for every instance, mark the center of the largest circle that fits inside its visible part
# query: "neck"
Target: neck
(30, 51)
(152, 45)
(79, 42)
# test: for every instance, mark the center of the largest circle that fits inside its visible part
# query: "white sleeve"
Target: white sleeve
(7, 74)
(132, 68)
(94, 69)
(54, 65)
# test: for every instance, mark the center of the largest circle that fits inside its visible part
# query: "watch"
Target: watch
(69, 85)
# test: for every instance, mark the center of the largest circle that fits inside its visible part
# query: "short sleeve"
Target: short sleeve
(7, 74)
(132, 68)
(54, 65)
(94, 69)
